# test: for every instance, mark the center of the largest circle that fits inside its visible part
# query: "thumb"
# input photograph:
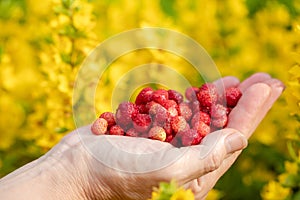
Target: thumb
(201, 159)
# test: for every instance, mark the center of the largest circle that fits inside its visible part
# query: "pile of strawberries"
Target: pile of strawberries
(164, 115)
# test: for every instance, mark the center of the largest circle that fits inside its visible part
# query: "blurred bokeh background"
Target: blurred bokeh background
(43, 44)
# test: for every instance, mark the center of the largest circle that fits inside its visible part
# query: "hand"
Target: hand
(85, 166)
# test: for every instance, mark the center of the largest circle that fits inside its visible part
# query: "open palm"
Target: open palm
(115, 167)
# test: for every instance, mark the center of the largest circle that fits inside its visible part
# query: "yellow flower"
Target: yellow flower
(171, 191)
(291, 167)
(182, 194)
(214, 194)
(274, 191)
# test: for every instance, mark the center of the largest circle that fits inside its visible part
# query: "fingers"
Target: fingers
(226, 82)
(260, 92)
(255, 78)
(202, 185)
(277, 88)
(208, 156)
(256, 101)
(247, 113)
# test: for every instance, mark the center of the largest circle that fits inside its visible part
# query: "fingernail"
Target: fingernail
(235, 142)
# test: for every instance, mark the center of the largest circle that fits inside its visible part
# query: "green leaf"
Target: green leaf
(67, 3)
(60, 10)
(168, 7)
(291, 180)
(1, 52)
(254, 6)
(66, 58)
(296, 196)
(166, 190)
(61, 129)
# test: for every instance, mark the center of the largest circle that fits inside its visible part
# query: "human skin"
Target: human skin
(85, 166)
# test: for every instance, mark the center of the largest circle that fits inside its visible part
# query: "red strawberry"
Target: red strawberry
(191, 93)
(232, 95)
(220, 122)
(168, 126)
(157, 133)
(142, 122)
(144, 96)
(195, 106)
(116, 130)
(99, 126)
(169, 138)
(200, 116)
(172, 112)
(149, 105)
(202, 128)
(218, 111)
(207, 95)
(124, 114)
(179, 124)
(109, 117)
(185, 111)
(228, 110)
(176, 96)
(170, 103)
(191, 137)
(142, 108)
(160, 96)
(132, 132)
(205, 109)
(158, 113)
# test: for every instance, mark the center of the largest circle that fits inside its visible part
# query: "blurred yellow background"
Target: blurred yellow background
(43, 44)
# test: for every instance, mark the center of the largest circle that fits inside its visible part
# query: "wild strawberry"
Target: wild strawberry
(176, 96)
(143, 135)
(169, 138)
(205, 109)
(200, 116)
(213, 129)
(160, 96)
(167, 126)
(132, 132)
(142, 108)
(179, 124)
(228, 110)
(191, 93)
(218, 111)
(99, 127)
(191, 137)
(144, 96)
(207, 95)
(142, 122)
(220, 122)
(176, 142)
(195, 106)
(158, 113)
(116, 130)
(185, 111)
(172, 112)
(124, 114)
(232, 95)
(202, 128)
(109, 117)
(170, 103)
(149, 105)
(157, 133)
(155, 108)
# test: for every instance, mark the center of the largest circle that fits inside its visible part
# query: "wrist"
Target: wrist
(27, 182)
(44, 178)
